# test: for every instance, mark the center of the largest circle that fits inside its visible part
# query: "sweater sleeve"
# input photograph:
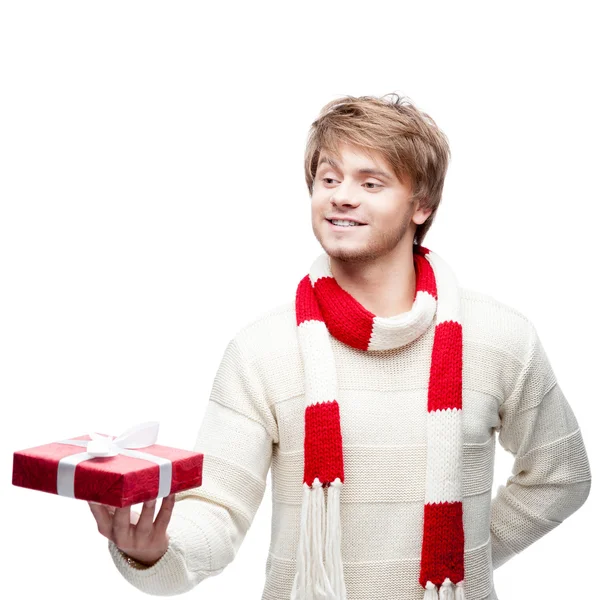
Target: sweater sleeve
(208, 523)
(551, 475)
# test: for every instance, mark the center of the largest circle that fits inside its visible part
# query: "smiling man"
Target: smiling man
(374, 395)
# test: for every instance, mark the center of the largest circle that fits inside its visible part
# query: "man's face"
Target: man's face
(380, 200)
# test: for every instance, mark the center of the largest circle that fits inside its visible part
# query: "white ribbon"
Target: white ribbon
(138, 436)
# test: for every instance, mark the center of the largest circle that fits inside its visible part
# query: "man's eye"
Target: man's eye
(329, 179)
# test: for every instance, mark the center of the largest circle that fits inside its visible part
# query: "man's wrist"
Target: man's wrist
(136, 564)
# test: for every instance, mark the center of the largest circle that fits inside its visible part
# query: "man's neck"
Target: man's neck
(386, 287)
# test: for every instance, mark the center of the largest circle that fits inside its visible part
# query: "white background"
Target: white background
(153, 202)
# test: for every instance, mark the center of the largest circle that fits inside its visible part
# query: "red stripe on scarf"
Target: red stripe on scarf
(443, 543)
(323, 443)
(445, 375)
(425, 277)
(307, 307)
(346, 319)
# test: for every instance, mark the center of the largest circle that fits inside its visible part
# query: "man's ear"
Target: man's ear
(421, 214)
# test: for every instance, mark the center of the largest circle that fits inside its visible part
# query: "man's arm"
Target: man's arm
(551, 475)
(209, 523)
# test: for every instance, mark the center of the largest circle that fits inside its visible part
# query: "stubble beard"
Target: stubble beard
(379, 244)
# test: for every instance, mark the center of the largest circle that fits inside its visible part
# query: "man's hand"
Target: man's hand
(134, 533)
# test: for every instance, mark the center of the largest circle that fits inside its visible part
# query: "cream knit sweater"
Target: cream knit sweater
(255, 421)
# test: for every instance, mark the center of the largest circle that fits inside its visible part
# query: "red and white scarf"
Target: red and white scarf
(324, 309)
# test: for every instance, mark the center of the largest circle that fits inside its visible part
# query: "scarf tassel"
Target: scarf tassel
(448, 591)
(316, 579)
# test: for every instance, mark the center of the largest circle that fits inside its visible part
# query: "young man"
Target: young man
(374, 395)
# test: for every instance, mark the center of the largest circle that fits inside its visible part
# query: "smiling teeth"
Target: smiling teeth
(345, 223)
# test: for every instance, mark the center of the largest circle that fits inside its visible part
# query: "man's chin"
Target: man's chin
(349, 255)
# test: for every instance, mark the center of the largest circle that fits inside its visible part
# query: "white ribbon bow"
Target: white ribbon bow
(138, 436)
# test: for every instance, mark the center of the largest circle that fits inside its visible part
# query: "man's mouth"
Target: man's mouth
(339, 224)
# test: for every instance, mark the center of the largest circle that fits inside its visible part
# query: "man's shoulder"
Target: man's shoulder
(271, 331)
(491, 321)
(276, 316)
(478, 300)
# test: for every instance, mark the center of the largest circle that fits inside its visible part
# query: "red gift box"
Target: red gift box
(118, 472)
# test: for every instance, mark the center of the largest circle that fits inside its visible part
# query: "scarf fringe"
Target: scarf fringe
(447, 591)
(317, 579)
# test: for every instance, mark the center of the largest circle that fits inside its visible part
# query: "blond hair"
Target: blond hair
(407, 138)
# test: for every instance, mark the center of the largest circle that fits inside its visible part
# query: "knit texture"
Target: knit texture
(254, 421)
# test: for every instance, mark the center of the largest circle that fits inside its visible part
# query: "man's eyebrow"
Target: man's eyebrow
(383, 174)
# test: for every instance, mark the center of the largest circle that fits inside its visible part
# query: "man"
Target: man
(374, 396)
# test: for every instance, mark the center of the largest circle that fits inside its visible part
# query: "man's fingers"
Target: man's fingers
(135, 517)
(116, 522)
(103, 519)
(144, 524)
(164, 514)
(122, 519)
